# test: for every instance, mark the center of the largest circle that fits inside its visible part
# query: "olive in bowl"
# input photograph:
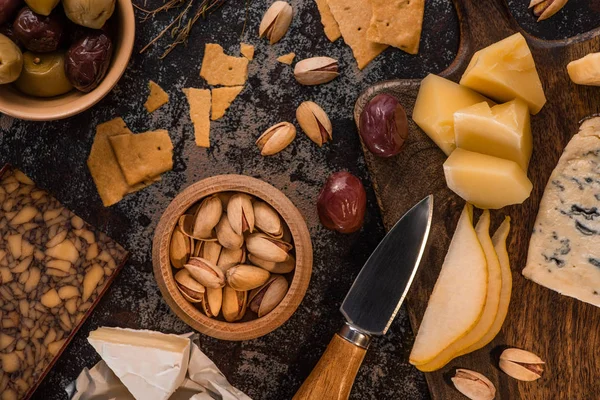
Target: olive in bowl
(42, 7)
(43, 75)
(8, 8)
(11, 60)
(42, 34)
(87, 60)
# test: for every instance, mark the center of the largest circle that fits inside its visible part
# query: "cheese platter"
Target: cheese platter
(539, 320)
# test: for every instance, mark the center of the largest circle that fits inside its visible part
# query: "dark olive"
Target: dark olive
(88, 59)
(383, 125)
(342, 203)
(8, 31)
(38, 33)
(8, 8)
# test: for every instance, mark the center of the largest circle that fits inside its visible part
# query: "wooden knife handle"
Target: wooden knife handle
(335, 372)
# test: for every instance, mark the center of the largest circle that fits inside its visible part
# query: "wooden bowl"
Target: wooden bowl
(19, 105)
(163, 271)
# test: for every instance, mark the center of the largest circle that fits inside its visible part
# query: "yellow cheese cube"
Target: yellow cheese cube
(501, 131)
(436, 103)
(586, 70)
(504, 71)
(486, 181)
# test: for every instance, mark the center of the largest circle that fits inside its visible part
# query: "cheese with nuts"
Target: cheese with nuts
(564, 250)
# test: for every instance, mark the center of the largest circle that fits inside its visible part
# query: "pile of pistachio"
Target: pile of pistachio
(230, 251)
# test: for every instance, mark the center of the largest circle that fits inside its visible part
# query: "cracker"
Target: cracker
(287, 58)
(247, 51)
(330, 26)
(354, 18)
(220, 69)
(143, 156)
(157, 97)
(199, 100)
(103, 165)
(397, 23)
(221, 100)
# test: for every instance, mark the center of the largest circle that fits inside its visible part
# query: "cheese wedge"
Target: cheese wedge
(564, 250)
(486, 181)
(436, 103)
(501, 131)
(504, 71)
(152, 365)
(459, 295)
(586, 70)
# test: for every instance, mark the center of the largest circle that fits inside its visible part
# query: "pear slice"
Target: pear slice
(491, 304)
(499, 240)
(458, 298)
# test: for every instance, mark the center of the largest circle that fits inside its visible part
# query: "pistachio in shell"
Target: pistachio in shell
(264, 299)
(190, 289)
(267, 219)
(234, 304)
(240, 213)
(274, 267)
(276, 21)
(267, 248)
(205, 272)
(179, 248)
(276, 138)
(231, 257)
(207, 216)
(211, 301)
(227, 236)
(246, 277)
(209, 250)
(314, 122)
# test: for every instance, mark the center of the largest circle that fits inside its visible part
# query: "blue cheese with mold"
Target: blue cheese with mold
(564, 250)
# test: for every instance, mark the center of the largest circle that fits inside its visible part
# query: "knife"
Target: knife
(371, 304)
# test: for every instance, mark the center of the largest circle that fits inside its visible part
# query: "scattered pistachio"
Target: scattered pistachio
(267, 248)
(316, 70)
(473, 385)
(314, 122)
(276, 21)
(205, 272)
(240, 213)
(211, 302)
(246, 277)
(521, 364)
(544, 9)
(234, 304)
(276, 138)
(264, 299)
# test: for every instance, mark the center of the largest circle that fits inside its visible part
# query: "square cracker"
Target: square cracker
(397, 23)
(247, 51)
(330, 26)
(220, 69)
(354, 18)
(199, 100)
(143, 156)
(157, 97)
(221, 100)
(103, 165)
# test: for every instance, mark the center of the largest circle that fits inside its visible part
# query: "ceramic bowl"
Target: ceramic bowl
(192, 315)
(19, 105)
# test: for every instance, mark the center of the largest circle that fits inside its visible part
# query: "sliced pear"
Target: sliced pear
(499, 240)
(491, 303)
(458, 298)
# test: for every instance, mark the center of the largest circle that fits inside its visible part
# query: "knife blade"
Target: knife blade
(371, 304)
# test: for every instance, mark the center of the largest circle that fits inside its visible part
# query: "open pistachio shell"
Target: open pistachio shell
(191, 290)
(227, 236)
(231, 257)
(179, 248)
(211, 302)
(209, 250)
(205, 272)
(246, 277)
(264, 299)
(207, 216)
(274, 267)
(234, 304)
(267, 219)
(267, 248)
(276, 21)
(314, 122)
(240, 213)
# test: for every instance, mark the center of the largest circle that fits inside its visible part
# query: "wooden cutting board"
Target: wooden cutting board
(562, 331)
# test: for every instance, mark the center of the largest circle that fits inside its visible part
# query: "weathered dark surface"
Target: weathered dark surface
(272, 367)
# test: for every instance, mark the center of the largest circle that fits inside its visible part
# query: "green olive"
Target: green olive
(43, 75)
(11, 60)
(43, 7)
(89, 13)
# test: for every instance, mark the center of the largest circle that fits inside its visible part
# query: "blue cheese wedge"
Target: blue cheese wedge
(564, 251)
(152, 365)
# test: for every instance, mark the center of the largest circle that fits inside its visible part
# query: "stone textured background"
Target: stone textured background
(272, 367)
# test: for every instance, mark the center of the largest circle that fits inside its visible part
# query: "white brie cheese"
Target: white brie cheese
(564, 251)
(152, 365)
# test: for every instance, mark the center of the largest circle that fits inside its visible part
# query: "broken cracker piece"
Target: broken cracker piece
(330, 26)
(287, 58)
(199, 100)
(220, 69)
(143, 156)
(221, 100)
(157, 97)
(104, 168)
(247, 51)
(354, 18)
(397, 23)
